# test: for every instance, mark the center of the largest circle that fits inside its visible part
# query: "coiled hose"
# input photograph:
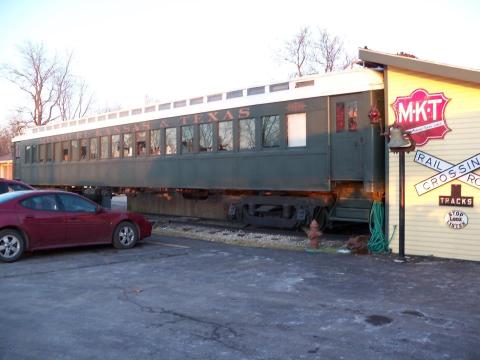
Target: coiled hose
(377, 244)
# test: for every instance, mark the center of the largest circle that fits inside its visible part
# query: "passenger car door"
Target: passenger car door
(84, 224)
(43, 221)
(347, 138)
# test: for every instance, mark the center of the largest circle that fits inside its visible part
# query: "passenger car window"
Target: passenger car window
(75, 153)
(155, 142)
(141, 143)
(352, 114)
(247, 134)
(104, 140)
(57, 151)
(206, 137)
(65, 151)
(225, 136)
(270, 131)
(41, 202)
(116, 146)
(72, 203)
(187, 139)
(127, 145)
(83, 149)
(41, 153)
(171, 141)
(93, 148)
(34, 153)
(340, 117)
(297, 130)
(28, 152)
(49, 152)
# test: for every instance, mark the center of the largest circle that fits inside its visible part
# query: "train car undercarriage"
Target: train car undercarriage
(287, 210)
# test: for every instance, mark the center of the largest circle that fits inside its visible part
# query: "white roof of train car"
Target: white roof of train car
(334, 83)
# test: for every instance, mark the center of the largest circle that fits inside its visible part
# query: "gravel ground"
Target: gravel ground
(248, 237)
(237, 234)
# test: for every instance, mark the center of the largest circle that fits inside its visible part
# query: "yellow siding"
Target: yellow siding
(6, 169)
(425, 230)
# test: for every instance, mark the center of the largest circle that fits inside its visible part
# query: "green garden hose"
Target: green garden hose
(377, 244)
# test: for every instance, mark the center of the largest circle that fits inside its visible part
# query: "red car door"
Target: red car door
(84, 224)
(42, 220)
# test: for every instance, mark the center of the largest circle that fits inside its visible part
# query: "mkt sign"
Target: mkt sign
(422, 115)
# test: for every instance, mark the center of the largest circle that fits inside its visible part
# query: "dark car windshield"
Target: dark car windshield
(12, 195)
(8, 186)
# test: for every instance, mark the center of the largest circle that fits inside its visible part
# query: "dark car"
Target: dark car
(13, 185)
(45, 219)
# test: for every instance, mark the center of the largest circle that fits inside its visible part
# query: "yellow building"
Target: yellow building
(6, 166)
(439, 106)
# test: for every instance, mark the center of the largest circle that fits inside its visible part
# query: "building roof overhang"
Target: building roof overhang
(403, 62)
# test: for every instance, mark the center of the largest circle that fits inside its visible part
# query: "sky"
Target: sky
(172, 50)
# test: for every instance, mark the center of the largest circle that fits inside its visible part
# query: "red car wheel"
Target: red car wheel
(125, 235)
(12, 245)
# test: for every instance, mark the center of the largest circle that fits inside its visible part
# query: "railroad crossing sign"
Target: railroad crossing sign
(447, 172)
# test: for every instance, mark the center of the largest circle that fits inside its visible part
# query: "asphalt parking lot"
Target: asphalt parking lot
(188, 299)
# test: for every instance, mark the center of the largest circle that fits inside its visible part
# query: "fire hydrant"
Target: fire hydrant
(313, 235)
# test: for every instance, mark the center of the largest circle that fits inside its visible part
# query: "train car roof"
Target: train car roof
(334, 83)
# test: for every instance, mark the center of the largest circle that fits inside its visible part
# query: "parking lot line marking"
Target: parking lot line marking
(166, 244)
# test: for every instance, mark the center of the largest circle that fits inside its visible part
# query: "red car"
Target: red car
(44, 219)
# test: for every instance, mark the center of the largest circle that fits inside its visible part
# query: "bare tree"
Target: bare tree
(16, 126)
(75, 100)
(5, 142)
(49, 85)
(328, 50)
(84, 101)
(312, 52)
(298, 51)
(37, 77)
(65, 90)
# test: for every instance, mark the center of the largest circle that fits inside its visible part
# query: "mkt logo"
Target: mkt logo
(422, 115)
